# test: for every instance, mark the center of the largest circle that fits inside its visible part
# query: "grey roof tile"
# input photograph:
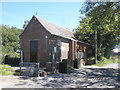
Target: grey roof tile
(56, 30)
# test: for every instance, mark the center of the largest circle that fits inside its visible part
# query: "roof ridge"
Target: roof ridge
(53, 23)
(55, 29)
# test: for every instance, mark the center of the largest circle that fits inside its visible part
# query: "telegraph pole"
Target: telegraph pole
(36, 13)
(95, 46)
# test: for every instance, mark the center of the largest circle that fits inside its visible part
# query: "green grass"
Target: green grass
(6, 70)
(105, 61)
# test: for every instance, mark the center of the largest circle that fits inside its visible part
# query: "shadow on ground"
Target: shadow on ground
(79, 78)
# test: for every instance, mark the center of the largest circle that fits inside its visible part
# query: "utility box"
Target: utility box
(77, 63)
(63, 66)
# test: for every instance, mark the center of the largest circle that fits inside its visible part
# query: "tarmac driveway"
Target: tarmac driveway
(79, 78)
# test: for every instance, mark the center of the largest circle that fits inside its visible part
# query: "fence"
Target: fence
(30, 69)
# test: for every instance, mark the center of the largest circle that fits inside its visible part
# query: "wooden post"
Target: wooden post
(46, 37)
(95, 46)
(53, 61)
(38, 67)
(53, 58)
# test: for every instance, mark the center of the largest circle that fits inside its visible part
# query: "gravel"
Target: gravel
(86, 77)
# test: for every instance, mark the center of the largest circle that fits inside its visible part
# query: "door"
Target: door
(33, 51)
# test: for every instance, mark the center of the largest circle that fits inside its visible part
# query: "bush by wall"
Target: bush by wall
(13, 61)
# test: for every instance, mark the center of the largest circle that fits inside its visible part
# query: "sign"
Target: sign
(55, 49)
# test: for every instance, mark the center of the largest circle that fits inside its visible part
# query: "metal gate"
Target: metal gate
(30, 69)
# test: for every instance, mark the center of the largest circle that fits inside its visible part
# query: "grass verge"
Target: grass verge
(105, 61)
(6, 70)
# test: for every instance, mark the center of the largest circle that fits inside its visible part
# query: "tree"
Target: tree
(10, 39)
(105, 19)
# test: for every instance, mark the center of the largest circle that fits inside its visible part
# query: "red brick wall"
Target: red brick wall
(63, 40)
(34, 31)
(73, 50)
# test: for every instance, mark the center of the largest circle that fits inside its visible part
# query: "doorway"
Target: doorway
(33, 51)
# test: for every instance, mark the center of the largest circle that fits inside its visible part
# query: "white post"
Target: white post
(21, 63)
(21, 54)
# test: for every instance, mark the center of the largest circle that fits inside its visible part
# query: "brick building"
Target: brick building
(42, 41)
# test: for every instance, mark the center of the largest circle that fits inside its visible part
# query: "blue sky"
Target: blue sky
(65, 14)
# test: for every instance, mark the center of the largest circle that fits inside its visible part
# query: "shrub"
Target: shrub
(12, 58)
(13, 61)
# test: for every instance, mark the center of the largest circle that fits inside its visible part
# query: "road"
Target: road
(86, 77)
(112, 66)
(116, 66)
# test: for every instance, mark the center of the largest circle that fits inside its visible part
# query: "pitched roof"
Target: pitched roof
(55, 30)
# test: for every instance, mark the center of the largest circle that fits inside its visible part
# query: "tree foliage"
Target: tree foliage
(103, 18)
(10, 39)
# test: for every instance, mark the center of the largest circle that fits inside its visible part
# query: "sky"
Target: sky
(64, 14)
